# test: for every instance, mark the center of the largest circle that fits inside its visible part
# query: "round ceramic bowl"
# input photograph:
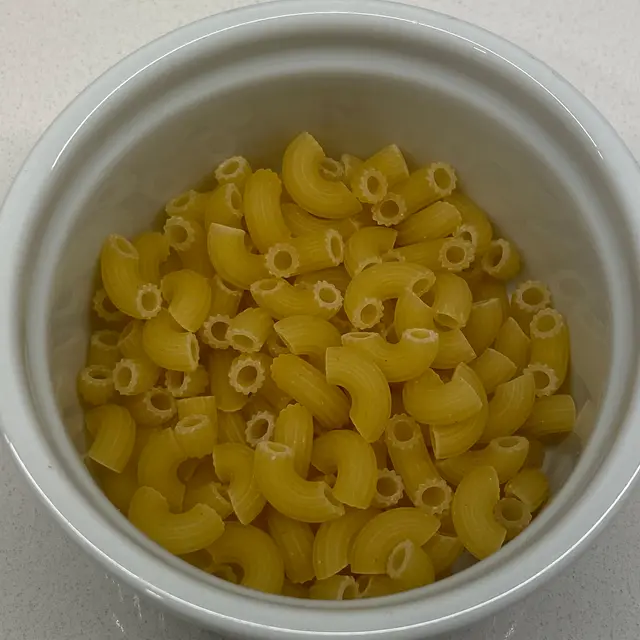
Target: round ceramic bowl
(358, 74)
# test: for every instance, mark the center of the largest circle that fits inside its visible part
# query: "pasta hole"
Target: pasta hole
(398, 559)
(174, 379)
(283, 260)
(149, 300)
(389, 210)
(494, 255)
(511, 510)
(328, 294)
(403, 431)
(124, 375)
(235, 199)
(160, 401)
(546, 323)
(455, 254)
(276, 448)
(125, 247)
(268, 285)
(218, 330)
(433, 497)
(330, 169)
(541, 379)
(194, 348)
(229, 168)
(467, 236)
(182, 201)
(108, 339)
(193, 421)
(177, 233)
(375, 186)
(243, 342)
(336, 247)
(421, 286)
(363, 583)
(98, 373)
(533, 296)
(247, 376)
(258, 430)
(508, 442)
(369, 314)
(442, 179)
(386, 487)
(445, 321)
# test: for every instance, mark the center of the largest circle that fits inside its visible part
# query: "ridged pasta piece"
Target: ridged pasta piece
(185, 385)
(378, 537)
(475, 222)
(337, 276)
(282, 299)
(409, 566)
(551, 416)
(351, 458)
(366, 247)
(334, 588)
(308, 336)
(530, 486)
(152, 408)
(132, 376)
(472, 512)
(303, 181)
(295, 541)
(444, 550)
(190, 204)
(228, 398)
(231, 427)
(493, 368)
(436, 221)
(249, 330)
(255, 552)
(231, 259)
(294, 428)
(95, 384)
(444, 254)
(225, 206)
(114, 434)
(234, 170)
(452, 301)
(411, 459)
(506, 455)
(366, 384)
(286, 491)
(371, 287)
(235, 465)
(196, 435)
(453, 349)
(527, 299)
(169, 345)
(153, 250)
(103, 348)
(412, 312)
(179, 533)
(308, 386)
(512, 342)
(389, 489)
(188, 238)
(501, 260)
(483, 324)
(513, 515)
(303, 223)
(130, 340)
(188, 295)
(404, 360)
(106, 310)
(260, 427)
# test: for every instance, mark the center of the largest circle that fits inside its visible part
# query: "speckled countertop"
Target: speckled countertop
(49, 51)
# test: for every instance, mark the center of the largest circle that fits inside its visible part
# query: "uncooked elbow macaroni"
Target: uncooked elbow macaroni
(294, 359)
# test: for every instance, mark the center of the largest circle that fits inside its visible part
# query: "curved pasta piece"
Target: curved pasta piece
(378, 537)
(285, 490)
(472, 512)
(294, 428)
(453, 349)
(152, 408)
(412, 313)
(334, 588)
(95, 384)
(282, 299)
(308, 386)
(295, 541)
(231, 259)
(104, 350)
(452, 402)
(224, 207)
(302, 223)
(371, 287)
(483, 324)
(404, 360)
(189, 240)
(235, 465)
(153, 250)
(409, 566)
(306, 254)
(178, 533)
(512, 342)
(475, 222)
(196, 435)
(303, 181)
(501, 260)
(506, 455)
(452, 301)
(255, 552)
(493, 368)
(234, 170)
(169, 345)
(249, 330)
(351, 458)
(188, 205)
(513, 515)
(308, 336)
(550, 416)
(531, 486)
(188, 295)
(443, 550)
(114, 434)
(132, 376)
(366, 247)
(220, 364)
(367, 386)
(527, 299)
(185, 385)
(436, 221)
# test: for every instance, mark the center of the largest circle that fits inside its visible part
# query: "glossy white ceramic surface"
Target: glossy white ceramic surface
(551, 171)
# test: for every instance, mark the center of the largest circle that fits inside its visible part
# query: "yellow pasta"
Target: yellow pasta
(510, 407)
(366, 384)
(123, 283)
(291, 590)
(452, 402)
(375, 586)
(103, 348)
(475, 225)
(527, 299)
(378, 537)
(452, 301)
(225, 206)
(188, 238)
(285, 490)
(454, 439)
(231, 259)
(305, 254)
(512, 342)
(390, 162)
(351, 458)
(188, 295)
(506, 455)
(412, 312)
(302, 223)
(408, 358)
(132, 376)
(334, 588)
(179, 533)
(189, 204)
(411, 459)
(366, 247)
(308, 386)
(493, 368)
(444, 550)
(185, 385)
(114, 436)
(331, 169)
(262, 212)
(485, 288)
(260, 427)
(281, 299)
(294, 428)
(249, 330)
(209, 492)
(153, 250)
(234, 170)
(231, 427)
(436, 221)
(169, 345)
(95, 384)
(549, 360)
(130, 340)
(106, 310)
(410, 566)
(309, 336)
(349, 165)
(303, 181)
(371, 287)
(483, 324)
(158, 467)
(295, 541)
(472, 512)
(513, 515)
(453, 349)
(389, 489)
(255, 552)
(444, 254)
(530, 486)
(501, 260)
(196, 434)
(235, 465)
(551, 416)
(152, 408)
(228, 398)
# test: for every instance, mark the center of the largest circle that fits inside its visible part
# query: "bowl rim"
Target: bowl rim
(395, 615)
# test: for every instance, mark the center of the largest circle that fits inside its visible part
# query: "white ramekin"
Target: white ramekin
(358, 73)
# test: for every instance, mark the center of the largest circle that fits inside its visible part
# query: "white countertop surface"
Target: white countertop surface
(49, 51)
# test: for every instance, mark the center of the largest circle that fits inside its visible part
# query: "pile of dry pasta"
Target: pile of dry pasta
(316, 384)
